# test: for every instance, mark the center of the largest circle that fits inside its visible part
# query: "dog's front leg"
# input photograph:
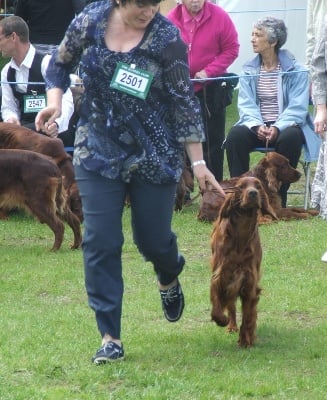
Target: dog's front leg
(249, 320)
(232, 325)
(217, 313)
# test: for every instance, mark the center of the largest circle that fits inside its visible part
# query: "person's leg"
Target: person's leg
(239, 143)
(152, 209)
(289, 143)
(214, 120)
(103, 201)
(212, 148)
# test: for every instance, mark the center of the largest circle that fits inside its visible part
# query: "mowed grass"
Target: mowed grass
(48, 333)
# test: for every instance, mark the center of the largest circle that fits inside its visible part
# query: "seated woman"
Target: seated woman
(272, 103)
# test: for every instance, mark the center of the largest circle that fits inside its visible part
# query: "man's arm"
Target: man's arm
(9, 105)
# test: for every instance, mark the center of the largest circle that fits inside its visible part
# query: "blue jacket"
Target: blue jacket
(293, 100)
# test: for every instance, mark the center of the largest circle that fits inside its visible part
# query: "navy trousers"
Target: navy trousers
(214, 119)
(103, 202)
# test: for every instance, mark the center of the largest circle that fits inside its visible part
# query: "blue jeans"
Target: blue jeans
(103, 202)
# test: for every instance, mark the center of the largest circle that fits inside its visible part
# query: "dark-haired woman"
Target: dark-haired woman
(137, 115)
(272, 103)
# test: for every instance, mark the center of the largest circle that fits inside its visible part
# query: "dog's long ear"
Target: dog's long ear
(208, 188)
(227, 205)
(266, 208)
(273, 183)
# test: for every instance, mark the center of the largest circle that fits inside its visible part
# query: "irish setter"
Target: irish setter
(34, 182)
(272, 170)
(18, 137)
(236, 257)
(184, 188)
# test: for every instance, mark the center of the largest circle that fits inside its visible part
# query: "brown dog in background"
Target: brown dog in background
(272, 170)
(236, 257)
(18, 137)
(34, 182)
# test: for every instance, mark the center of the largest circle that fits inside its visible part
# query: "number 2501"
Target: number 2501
(130, 80)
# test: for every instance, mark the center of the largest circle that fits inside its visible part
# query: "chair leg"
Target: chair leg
(307, 188)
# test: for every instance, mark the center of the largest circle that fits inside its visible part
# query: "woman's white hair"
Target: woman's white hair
(275, 28)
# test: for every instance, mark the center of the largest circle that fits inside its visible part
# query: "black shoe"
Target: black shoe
(172, 301)
(109, 352)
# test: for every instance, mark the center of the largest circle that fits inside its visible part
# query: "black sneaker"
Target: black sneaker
(109, 352)
(172, 301)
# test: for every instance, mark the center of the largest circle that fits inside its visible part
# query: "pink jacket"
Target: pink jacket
(215, 42)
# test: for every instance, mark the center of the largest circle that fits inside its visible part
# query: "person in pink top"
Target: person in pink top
(213, 45)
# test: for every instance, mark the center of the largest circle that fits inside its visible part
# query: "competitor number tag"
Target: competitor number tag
(34, 103)
(131, 80)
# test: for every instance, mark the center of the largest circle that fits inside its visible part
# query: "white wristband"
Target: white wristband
(199, 162)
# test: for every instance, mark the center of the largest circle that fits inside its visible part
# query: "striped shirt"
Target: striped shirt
(267, 93)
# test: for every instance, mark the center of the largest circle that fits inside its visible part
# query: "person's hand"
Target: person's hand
(263, 132)
(45, 121)
(320, 121)
(205, 176)
(272, 134)
(201, 75)
(51, 129)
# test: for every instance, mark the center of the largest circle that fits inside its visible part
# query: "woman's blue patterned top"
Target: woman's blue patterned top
(120, 135)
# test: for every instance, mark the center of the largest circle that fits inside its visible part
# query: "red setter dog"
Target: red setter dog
(34, 182)
(18, 137)
(272, 170)
(236, 257)
(184, 188)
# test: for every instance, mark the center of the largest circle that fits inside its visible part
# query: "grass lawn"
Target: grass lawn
(48, 333)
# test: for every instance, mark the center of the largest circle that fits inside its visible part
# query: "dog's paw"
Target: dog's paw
(265, 219)
(313, 212)
(232, 328)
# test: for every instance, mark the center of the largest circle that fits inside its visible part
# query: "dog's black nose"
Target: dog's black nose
(253, 194)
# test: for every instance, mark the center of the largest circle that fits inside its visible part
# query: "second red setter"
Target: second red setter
(18, 137)
(272, 170)
(33, 182)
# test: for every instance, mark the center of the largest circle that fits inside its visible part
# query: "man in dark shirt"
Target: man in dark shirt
(48, 20)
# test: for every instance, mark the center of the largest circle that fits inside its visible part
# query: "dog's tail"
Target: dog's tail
(65, 213)
(61, 198)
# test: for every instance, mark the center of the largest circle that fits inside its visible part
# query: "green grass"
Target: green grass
(48, 333)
